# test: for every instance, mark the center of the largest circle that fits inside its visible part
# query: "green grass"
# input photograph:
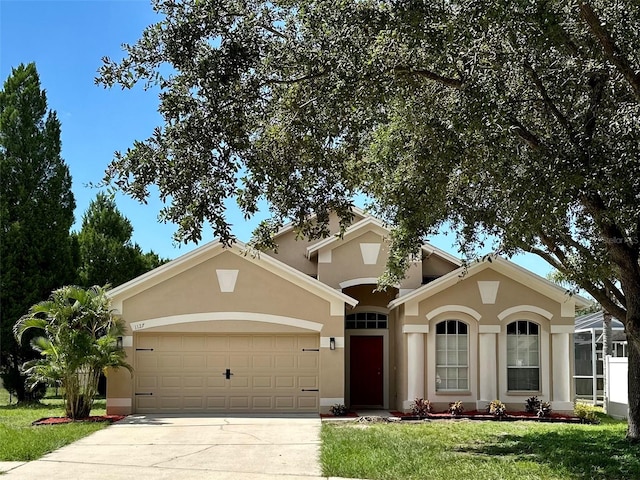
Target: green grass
(20, 441)
(479, 450)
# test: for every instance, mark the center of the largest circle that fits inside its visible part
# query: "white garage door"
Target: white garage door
(226, 373)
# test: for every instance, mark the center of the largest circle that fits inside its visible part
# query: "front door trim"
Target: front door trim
(384, 333)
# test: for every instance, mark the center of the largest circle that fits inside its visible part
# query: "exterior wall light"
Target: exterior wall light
(332, 343)
(119, 342)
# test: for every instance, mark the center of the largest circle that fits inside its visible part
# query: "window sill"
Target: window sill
(524, 393)
(451, 393)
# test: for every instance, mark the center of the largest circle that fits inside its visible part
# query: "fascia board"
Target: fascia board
(505, 267)
(369, 223)
(289, 225)
(430, 249)
(166, 271)
(213, 249)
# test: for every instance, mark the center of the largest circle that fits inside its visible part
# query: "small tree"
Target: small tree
(79, 342)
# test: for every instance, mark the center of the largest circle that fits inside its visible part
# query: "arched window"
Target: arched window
(452, 356)
(523, 356)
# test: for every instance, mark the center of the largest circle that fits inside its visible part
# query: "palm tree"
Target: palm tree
(79, 342)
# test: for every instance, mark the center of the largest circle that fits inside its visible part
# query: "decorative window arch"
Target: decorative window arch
(452, 356)
(523, 356)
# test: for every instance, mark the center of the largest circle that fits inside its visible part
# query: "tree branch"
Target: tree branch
(295, 80)
(597, 83)
(611, 50)
(562, 120)
(449, 82)
(524, 134)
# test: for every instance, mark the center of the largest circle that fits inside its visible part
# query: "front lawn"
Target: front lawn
(478, 450)
(19, 440)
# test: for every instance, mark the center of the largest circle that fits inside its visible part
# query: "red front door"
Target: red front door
(366, 373)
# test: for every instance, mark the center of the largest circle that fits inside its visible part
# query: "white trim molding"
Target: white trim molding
(118, 402)
(415, 329)
(329, 402)
(324, 342)
(359, 281)
(489, 328)
(454, 309)
(525, 308)
(563, 328)
(222, 316)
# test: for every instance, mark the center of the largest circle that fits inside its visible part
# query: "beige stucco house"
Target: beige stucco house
(220, 330)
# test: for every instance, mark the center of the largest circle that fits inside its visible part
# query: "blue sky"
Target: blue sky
(66, 40)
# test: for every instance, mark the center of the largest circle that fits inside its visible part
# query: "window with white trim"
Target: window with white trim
(523, 356)
(452, 356)
(366, 320)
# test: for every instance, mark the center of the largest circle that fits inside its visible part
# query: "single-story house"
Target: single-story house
(301, 329)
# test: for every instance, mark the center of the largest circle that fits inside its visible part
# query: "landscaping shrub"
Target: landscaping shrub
(338, 410)
(497, 408)
(534, 405)
(421, 407)
(456, 408)
(585, 412)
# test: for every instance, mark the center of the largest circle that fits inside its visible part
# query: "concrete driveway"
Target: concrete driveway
(187, 447)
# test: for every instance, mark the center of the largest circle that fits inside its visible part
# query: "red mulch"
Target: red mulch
(482, 415)
(330, 415)
(60, 420)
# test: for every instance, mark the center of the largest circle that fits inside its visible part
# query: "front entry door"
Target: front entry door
(366, 372)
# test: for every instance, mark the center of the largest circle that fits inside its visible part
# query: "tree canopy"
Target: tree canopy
(36, 212)
(513, 120)
(107, 254)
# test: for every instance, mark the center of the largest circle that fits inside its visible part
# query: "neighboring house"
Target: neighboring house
(589, 361)
(221, 330)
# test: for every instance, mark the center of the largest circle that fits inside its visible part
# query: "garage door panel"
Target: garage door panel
(170, 343)
(146, 381)
(285, 343)
(239, 402)
(171, 382)
(308, 403)
(285, 382)
(239, 361)
(194, 361)
(285, 403)
(262, 403)
(262, 361)
(217, 362)
(308, 382)
(216, 343)
(239, 382)
(193, 344)
(285, 361)
(216, 382)
(186, 373)
(262, 382)
(146, 362)
(170, 362)
(240, 342)
(308, 361)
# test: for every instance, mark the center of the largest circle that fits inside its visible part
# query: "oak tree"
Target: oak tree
(508, 120)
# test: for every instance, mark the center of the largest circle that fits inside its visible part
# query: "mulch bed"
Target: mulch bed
(61, 420)
(330, 415)
(481, 415)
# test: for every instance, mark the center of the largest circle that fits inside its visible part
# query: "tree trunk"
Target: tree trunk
(633, 430)
(606, 350)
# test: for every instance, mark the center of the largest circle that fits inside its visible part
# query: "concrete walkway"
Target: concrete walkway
(186, 447)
